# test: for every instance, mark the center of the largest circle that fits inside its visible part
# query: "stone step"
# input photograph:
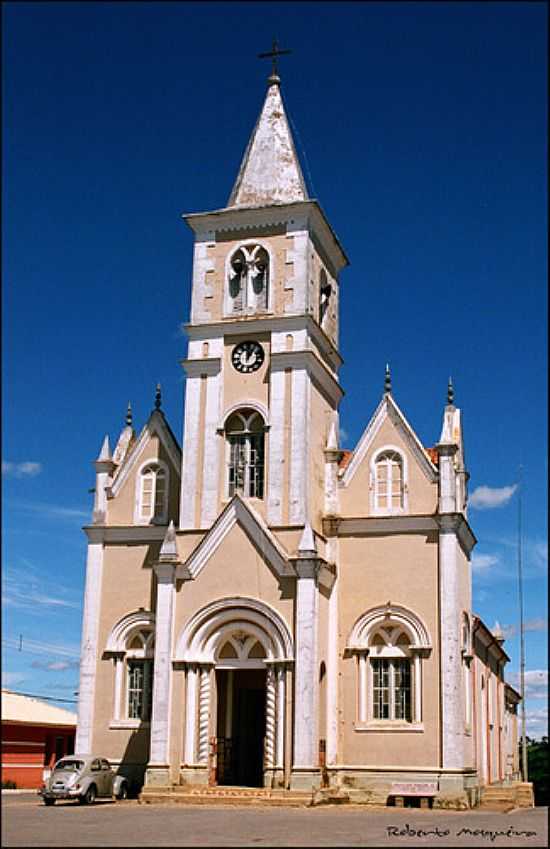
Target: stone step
(200, 795)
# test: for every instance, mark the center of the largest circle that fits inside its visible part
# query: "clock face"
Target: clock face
(247, 356)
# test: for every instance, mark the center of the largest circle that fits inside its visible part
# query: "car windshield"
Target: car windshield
(69, 766)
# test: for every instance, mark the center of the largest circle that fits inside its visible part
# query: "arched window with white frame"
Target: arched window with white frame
(132, 646)
(389, 481)
(389, 644)
(248, 280)
(245, 438)
(152, 499)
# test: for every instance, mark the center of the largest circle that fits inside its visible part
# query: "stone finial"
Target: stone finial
(450, 392)
(332, 441)
(105, 453)
(169, 550)
(307, 542)
(129, 416)
(387, 380)
(498, 633)
(158, 397)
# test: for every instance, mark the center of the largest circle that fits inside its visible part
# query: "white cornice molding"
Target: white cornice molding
(245, 217)
(155, 425)
(387, 408)
(458, 524)
(125, 533)
(238, 512)
(314, 366)
(372, 525)
(265, 324)
(208, 366)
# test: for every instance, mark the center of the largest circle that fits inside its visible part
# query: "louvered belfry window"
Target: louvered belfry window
(249, 280)
(245, 440)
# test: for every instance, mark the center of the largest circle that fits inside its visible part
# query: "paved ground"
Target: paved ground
(27, 822)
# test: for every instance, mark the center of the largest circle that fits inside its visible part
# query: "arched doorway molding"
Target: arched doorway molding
(201, 635)
(198, 647)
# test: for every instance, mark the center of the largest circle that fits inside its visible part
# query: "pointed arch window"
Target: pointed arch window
(245, 435)
(248, 283)
(153, 494)
(389, 484)
(132, 647)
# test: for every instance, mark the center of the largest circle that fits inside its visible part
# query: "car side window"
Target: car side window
(96, 766)
(105, 765)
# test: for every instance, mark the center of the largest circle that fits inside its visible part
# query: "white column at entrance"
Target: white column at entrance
(164, 626)
(362, 687)
(88, 657)
(280, 737)
(306, 677)
(190, 714)
(204, 713)
(270, 708)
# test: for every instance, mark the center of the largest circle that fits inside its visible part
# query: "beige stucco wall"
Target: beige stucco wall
(320, 421)
(401, 569)
(128, 584)
(422, 493)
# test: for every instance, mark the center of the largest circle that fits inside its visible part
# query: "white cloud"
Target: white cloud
(536, 723)
(55, 665)
(480, 562)
(24, 598)
(38, 647)
(536, 683)
(344, 436)
(11, 679)
(510, 631)
(487, 497)
(27, 469)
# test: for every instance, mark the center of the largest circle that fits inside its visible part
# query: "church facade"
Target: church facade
(263, 608)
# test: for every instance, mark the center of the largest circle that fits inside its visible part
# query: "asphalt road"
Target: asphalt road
(27, 822)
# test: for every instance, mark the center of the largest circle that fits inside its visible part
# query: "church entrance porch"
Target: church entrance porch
(241, 727)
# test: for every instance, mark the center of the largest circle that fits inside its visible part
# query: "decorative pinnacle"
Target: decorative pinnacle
(387, 380)
(129, 417)
(158, 397)
(450, 392)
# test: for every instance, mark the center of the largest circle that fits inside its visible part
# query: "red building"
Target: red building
(34, 735)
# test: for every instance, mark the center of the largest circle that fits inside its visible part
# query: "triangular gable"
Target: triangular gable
(239, 512)
(387, 408)
(156, 425)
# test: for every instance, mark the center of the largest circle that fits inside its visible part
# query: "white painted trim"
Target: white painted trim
(162, 672)
(306, 678)
(369, 622)
(245, 403)
(239, 511)
(198, 640)
(125, 533)
(375, 508)
(369, 525)
(333, 654)
(138, 496)
(387, 408)
(155, 426)
(211, 458)
(299, 454)
(190, 715)
(452, 719)
(122, 630)
(276, 453)
(316, 369)
(189, 478)
(89, 648)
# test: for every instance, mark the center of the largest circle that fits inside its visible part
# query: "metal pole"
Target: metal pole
(521, 635)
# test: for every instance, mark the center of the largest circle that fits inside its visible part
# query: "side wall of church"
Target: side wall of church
(401, 569)
(128, 585)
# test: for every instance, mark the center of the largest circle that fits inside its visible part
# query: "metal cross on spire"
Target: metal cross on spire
(273, 54)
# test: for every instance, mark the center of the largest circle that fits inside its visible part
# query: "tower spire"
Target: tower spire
(158, 397)
(270, 170)
(129, 416)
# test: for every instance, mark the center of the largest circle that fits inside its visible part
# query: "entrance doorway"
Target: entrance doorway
(240, 726)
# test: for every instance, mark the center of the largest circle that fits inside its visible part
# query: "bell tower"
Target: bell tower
(262, 369)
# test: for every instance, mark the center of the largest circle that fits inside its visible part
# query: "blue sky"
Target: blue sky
(424, 131)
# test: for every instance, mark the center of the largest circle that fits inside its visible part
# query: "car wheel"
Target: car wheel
(90, 795)
(49, 801)
(123, 792)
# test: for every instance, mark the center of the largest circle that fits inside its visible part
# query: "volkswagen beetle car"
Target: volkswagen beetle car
(83, 777)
